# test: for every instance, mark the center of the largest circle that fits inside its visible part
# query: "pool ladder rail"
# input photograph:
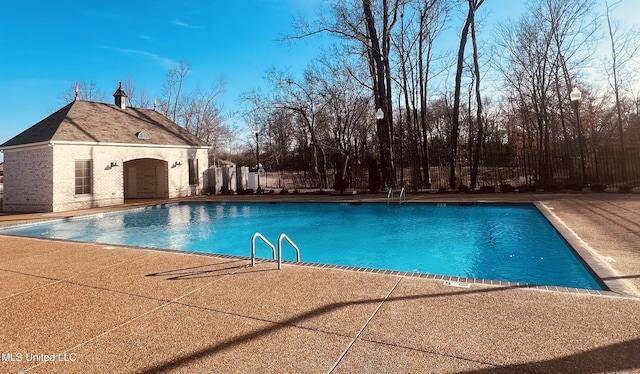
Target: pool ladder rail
(402, 197)
(282, 237)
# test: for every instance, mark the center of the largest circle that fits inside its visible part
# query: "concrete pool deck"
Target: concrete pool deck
(77, 308)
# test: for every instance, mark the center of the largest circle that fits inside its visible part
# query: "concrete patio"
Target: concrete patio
(90, 308)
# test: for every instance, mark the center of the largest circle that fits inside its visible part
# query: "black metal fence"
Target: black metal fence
(605, 168)
(597, 168)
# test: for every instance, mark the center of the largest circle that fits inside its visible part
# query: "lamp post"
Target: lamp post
(576, 96)
(379, 119)
(256, 132)
(399, 140)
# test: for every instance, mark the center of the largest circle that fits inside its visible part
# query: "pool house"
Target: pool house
(90, 154)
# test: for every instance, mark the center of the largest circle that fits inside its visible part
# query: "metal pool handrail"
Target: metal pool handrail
(285, 237)
(253, 247)
(402, 196)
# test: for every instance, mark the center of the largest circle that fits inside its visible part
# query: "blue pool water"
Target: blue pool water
(499, 242)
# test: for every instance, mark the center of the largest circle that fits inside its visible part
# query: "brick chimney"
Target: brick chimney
(120, 97)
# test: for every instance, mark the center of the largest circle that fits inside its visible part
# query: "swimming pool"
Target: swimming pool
(486, 241)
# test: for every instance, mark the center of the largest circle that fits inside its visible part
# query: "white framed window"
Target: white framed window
(83, 177)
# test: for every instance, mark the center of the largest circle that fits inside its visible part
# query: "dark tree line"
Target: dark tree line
(383, 99)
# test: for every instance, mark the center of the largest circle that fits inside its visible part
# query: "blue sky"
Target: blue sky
(46, 46)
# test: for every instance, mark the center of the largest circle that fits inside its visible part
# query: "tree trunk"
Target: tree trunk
(379, 66)
(455, 125)
(480, 134)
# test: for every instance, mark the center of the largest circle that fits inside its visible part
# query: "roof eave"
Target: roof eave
(137, 145)
(102, 144)
(43, 144)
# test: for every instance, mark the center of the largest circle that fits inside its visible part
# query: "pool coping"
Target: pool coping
(582, 250)
(456, 281)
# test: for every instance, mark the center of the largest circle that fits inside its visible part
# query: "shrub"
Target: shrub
(598, 187)
(442, 190)
(487, 189)
(284, 191)
(463, 189)
(551, 188)
(527, 188)
(625, 188)
(340, 184)
(573, 186)
(506, 188)
(375, 181)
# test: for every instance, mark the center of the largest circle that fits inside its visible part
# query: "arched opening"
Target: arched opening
(146, 178)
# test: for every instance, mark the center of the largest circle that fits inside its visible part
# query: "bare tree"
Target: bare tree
(552, 36)
(421, 22)
(475, 157)
(169, 105)
(368, 24)
(378, 47)
(624, 49)
(133, 98)
(87, 91)
(473, 6)
(347, 111)
(280, 134)
(201, 115)
(196, 111)
(304, 99)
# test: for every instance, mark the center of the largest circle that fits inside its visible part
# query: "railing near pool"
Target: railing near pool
(253, 247)
(292, 244)
(402, 197)
(282, 237)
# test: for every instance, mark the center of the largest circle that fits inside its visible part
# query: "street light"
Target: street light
(383, 154)
(400, 139)
(576, 97)
(256, 132)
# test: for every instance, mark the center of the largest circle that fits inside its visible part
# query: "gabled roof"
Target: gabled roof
(87, 121)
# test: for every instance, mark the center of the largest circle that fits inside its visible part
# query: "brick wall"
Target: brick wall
(43, 179)
(28, 181)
